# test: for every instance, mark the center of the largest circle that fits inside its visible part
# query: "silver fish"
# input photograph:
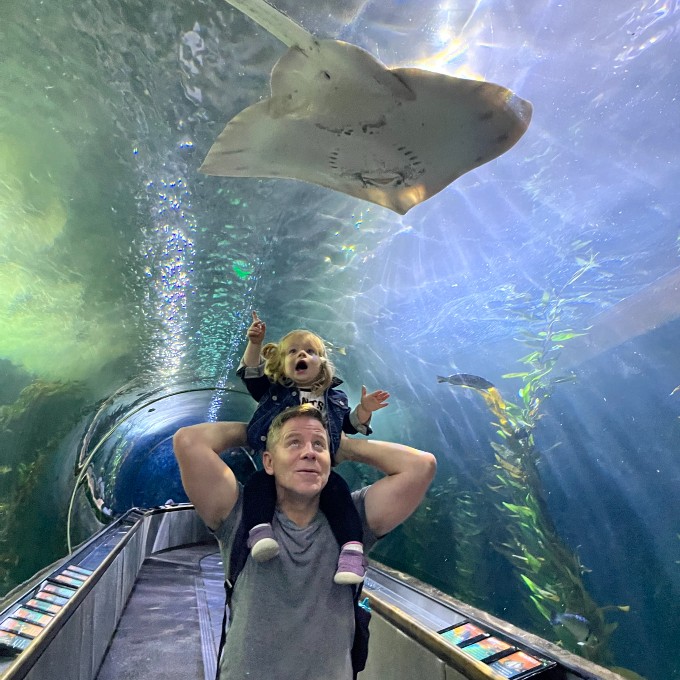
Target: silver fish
(577, 625)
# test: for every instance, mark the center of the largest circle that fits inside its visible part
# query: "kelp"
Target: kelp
(57, 406)
(469, 528)
(549, 572)
(449, 528)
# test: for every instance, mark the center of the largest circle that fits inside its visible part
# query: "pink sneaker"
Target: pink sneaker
(351, 564)
(262, 544)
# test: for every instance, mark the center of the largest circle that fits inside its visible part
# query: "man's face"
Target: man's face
(300, 461)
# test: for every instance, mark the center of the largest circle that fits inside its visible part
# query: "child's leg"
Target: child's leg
(259, 499)
(259, 504)
(336, 503)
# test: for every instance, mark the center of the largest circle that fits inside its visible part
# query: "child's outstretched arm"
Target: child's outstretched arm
(255, 334)
(370, 403)
(251, 368)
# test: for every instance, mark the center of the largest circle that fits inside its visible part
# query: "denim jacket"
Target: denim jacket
(273, 398)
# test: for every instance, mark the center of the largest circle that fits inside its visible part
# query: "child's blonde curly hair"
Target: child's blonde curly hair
(274, 355)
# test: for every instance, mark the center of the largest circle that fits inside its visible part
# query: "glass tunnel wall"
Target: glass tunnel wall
(549, 277)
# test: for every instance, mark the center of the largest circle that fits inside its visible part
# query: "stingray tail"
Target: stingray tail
(276, 23)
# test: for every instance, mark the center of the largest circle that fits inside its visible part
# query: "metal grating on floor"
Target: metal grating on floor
(169, 624)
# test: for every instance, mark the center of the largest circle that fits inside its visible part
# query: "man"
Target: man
(289, 620)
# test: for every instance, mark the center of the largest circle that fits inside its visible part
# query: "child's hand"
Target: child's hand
(373, 401)
(256, 330)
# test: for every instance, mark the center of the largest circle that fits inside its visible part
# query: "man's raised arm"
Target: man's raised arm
(208, 481)
(391, 500)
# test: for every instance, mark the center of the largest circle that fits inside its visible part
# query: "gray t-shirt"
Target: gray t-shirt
(290, 621)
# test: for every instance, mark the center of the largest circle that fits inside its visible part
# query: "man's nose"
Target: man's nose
(308, 450)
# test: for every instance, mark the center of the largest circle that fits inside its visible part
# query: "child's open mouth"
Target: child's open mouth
(301, 365)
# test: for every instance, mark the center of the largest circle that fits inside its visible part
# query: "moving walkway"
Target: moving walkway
(144, 599)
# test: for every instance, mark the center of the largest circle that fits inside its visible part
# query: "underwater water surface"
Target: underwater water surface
(127, 279)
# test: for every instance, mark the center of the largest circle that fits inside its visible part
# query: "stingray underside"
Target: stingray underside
(392, 150)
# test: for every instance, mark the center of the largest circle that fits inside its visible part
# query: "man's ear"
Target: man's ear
(267, 463)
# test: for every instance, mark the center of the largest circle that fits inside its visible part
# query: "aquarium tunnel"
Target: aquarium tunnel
(521, 304)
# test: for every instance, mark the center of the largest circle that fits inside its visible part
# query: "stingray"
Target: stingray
(339, 118)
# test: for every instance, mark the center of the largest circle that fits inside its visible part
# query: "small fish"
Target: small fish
(577, 625)
(487, 389)
(467, 380)
(4, 469)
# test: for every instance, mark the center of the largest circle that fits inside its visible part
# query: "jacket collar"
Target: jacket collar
(334, 383)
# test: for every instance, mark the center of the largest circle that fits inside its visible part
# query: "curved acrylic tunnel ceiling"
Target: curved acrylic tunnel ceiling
(126, 457)
(640, 313)
(128, 447)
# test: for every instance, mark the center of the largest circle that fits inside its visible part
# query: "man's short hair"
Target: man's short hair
(301, 411)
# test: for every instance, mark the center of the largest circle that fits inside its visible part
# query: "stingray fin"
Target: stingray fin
(339, 118)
